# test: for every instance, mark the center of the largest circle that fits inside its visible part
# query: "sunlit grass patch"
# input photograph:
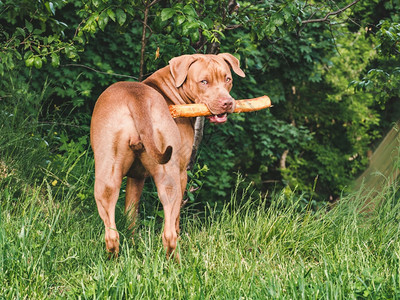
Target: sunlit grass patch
(252, 248)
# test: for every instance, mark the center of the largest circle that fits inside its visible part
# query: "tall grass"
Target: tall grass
(52, 246)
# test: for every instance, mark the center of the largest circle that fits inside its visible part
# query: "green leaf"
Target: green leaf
(188, 27)
(20, 31)
(18, 55)
(180, 19)
(287, 15)
(202, 24)
(50, 7)
(277, 20)
(121, 16)
(130, 10)
(28, 26)
(209, 23)
(28, 54)
(271, 28)
(80, 39)
(189, 10)
(194, 36)
(103, 20)
(96, 3)
(38, 31)
(51, 38)
(167, 13)
(111, 14)
(55, 60)
(69, 51)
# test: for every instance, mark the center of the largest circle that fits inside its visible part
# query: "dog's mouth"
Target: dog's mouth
(218, 119)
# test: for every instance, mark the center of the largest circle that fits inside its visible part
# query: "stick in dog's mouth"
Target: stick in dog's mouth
(200, 109)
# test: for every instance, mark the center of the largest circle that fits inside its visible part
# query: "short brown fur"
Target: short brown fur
(133, 134)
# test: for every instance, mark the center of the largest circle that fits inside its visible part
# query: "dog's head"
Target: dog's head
(207, 79)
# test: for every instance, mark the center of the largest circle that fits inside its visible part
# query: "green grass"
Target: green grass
(52, 246)
(52, 239)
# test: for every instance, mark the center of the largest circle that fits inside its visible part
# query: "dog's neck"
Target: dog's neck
(164, 83)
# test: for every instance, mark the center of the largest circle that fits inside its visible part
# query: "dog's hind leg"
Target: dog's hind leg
(167, 180)
(184, 179)
(134, 187)
(106, 195)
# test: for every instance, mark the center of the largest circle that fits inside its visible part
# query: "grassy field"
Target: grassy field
(51, 246)
(52, 239)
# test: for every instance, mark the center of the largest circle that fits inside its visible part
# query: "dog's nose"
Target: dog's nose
(227, 103)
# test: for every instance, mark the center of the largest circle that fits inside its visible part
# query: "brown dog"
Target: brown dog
(133, 134)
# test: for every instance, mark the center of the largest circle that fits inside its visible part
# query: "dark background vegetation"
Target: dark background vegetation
(332, 75)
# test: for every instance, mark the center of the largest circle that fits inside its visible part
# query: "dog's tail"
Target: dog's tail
(148, 142)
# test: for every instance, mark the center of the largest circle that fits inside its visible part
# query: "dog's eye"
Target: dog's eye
(228, 79)
(204, 82)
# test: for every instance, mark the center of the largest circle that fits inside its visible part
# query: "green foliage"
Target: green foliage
(33, 34)
(195, 182)
(186, 18)
(388, 36)
(246, 136)
(384, 79)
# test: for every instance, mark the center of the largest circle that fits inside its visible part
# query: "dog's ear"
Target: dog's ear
(179, 67)
(233, 62)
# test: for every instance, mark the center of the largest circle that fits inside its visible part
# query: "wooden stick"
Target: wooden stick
(200, 109)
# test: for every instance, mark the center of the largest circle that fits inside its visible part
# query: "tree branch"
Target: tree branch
(231, 27)
(282, 162)
(144, 41)
(198, 136)
(147, 6)
(334, 13)
(97, 71)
